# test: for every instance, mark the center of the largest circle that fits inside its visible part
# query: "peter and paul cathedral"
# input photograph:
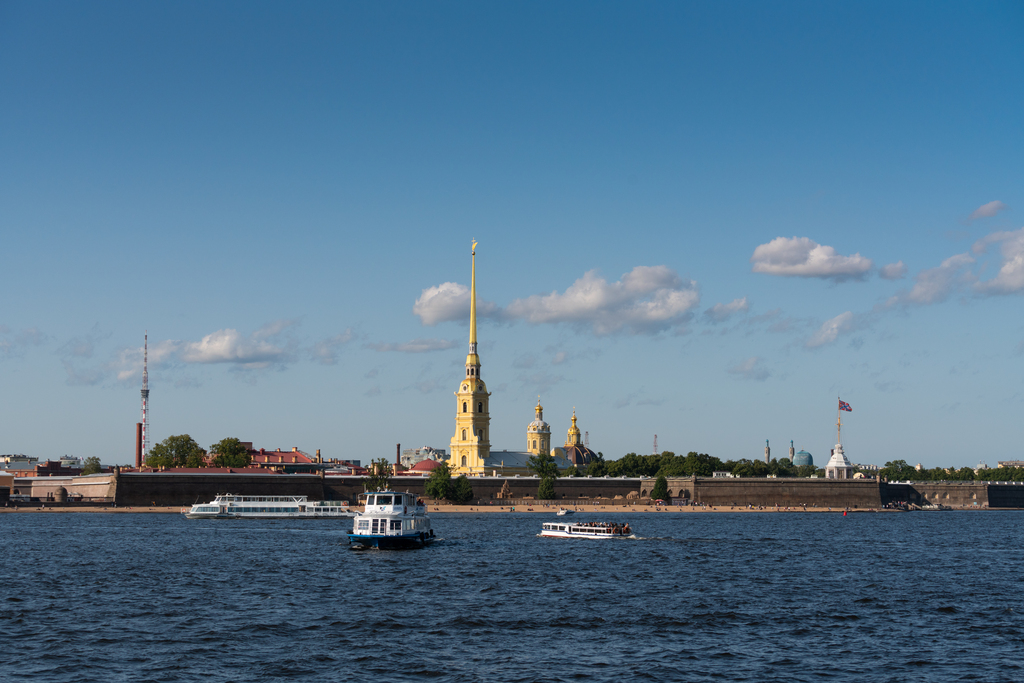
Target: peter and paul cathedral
(469, 447)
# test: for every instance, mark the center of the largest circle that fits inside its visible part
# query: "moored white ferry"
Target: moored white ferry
(391, 520)
(599, 530)
(230, 506)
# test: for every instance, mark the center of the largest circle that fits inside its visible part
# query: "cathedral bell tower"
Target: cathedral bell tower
(470, 447)
(538, 433)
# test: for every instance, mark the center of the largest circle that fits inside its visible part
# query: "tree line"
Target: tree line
(183, 451)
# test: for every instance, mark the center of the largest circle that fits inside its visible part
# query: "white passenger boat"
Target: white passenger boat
(391, 520)
(565, 511)
(600, 530)
(230, 506)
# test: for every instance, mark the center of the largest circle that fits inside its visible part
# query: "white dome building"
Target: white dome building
(838, 466)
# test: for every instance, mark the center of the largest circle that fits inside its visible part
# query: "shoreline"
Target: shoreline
(498, 509)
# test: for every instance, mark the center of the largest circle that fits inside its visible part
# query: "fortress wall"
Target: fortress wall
(168, 488)
(853, 493)
(1005, 495)
(488, 488)
(952, 493)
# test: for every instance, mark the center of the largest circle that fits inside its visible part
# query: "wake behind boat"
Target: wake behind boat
(391, 520)
(598, 530)
(230, 506)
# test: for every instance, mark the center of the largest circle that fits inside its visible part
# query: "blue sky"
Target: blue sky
(704, 221)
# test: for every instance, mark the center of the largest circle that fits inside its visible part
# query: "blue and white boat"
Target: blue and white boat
(391, 520)
(230, 506)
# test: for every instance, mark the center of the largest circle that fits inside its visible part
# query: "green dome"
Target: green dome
(802, 459)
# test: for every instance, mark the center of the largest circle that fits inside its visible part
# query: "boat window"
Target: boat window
(384, 500)
(398, 500)
(396, 525)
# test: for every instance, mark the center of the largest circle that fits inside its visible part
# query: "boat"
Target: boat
(564, 511)
(599, 530)
(391, 520)
(230, 506)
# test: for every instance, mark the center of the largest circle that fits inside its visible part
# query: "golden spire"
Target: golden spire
(573, 437)
(472, 305)
(539, 409)
(472, 360)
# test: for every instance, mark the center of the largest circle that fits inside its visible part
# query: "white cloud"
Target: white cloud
(1010, 278)
(831, 329)
(229, 346)
(987, 210)
(752, 369)
(803, 257)
(893, 271)
(449, 301)
(722, 312)
(934, 285)
(647, 299)
(325, 351)
(416, 346)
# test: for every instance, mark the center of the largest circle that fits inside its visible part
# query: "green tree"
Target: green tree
(438, 485)
(230, 453)
(92, 465)
(546, 490)
(660, 490)
(898, 470)
(461, 490)
(597, 468)
(571, 471)
(379, 476)
(177, 451)
(543, 465)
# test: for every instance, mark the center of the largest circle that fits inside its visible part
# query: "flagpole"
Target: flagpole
(839, 422)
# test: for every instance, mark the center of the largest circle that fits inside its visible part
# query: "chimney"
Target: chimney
(295, 449)
(138, 445)
(318, 458)
(398, 454)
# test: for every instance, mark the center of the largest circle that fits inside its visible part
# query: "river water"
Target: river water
(718, 596)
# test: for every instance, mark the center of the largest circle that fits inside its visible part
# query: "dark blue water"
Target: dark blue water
(755, 597)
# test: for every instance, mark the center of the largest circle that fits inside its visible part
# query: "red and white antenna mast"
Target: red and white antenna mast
(145, 396)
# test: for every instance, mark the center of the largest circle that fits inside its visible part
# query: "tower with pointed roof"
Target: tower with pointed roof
(470, 446)
(573, 436)
(538, 433)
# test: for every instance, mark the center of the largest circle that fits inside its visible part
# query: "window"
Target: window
(383, 500)
(480, 407)
(464, 461)
(535, 443)
(396, 525)
(463, 438)
(464, 410)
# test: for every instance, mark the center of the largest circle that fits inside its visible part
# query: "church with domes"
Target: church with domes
(470, 447)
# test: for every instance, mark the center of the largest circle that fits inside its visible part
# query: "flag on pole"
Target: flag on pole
(843, 405)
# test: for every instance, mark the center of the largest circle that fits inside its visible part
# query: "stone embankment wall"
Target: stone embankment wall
(167, 488)
(784, 492)
(957, 493)
(489, 488)
(170, 488)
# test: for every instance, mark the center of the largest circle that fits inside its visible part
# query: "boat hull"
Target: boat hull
(395, 542)
(567, 534)
(267, 515)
